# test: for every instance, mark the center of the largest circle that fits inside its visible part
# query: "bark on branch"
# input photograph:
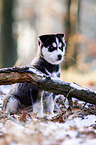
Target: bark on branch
(31, 74)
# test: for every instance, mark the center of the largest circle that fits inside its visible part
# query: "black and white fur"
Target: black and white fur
(51, 50)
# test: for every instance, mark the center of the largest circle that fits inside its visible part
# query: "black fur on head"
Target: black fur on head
(47, 39)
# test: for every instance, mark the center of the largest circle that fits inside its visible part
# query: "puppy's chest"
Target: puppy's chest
(47, 68)
(53, 74)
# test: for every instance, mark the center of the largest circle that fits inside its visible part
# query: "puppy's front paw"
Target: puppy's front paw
(10, 104)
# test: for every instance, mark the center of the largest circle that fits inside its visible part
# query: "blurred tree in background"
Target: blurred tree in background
(71, 25)
(8, 48)
(23, 21)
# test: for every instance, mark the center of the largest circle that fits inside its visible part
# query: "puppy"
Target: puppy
(51, 50)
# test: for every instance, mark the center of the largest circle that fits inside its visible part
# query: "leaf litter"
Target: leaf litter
(64, 127)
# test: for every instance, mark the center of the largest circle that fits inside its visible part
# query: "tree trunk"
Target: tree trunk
(32, 75)
(72, 16)
(67, 20)
(8, 43)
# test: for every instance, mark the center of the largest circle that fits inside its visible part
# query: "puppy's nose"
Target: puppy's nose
(59, 57)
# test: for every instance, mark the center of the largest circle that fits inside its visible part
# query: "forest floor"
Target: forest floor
(64, 127)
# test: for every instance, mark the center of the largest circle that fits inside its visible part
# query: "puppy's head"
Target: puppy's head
(51, 47)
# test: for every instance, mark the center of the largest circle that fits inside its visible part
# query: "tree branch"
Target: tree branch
(32, 75)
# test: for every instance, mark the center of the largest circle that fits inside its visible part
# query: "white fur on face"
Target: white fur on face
(52, 57)
(54, 44)
(57, 41)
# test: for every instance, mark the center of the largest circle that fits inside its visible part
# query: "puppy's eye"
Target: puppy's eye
(51, 48)
(61, 48)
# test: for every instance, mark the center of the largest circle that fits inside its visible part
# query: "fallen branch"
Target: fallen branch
(32, 75)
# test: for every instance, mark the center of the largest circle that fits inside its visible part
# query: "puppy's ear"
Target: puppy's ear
(43, 39)
(39, 42)
(61, 36)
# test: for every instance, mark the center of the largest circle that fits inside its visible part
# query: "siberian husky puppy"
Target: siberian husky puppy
(51, 50)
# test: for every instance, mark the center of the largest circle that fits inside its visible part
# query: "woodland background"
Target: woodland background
(21, 22)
